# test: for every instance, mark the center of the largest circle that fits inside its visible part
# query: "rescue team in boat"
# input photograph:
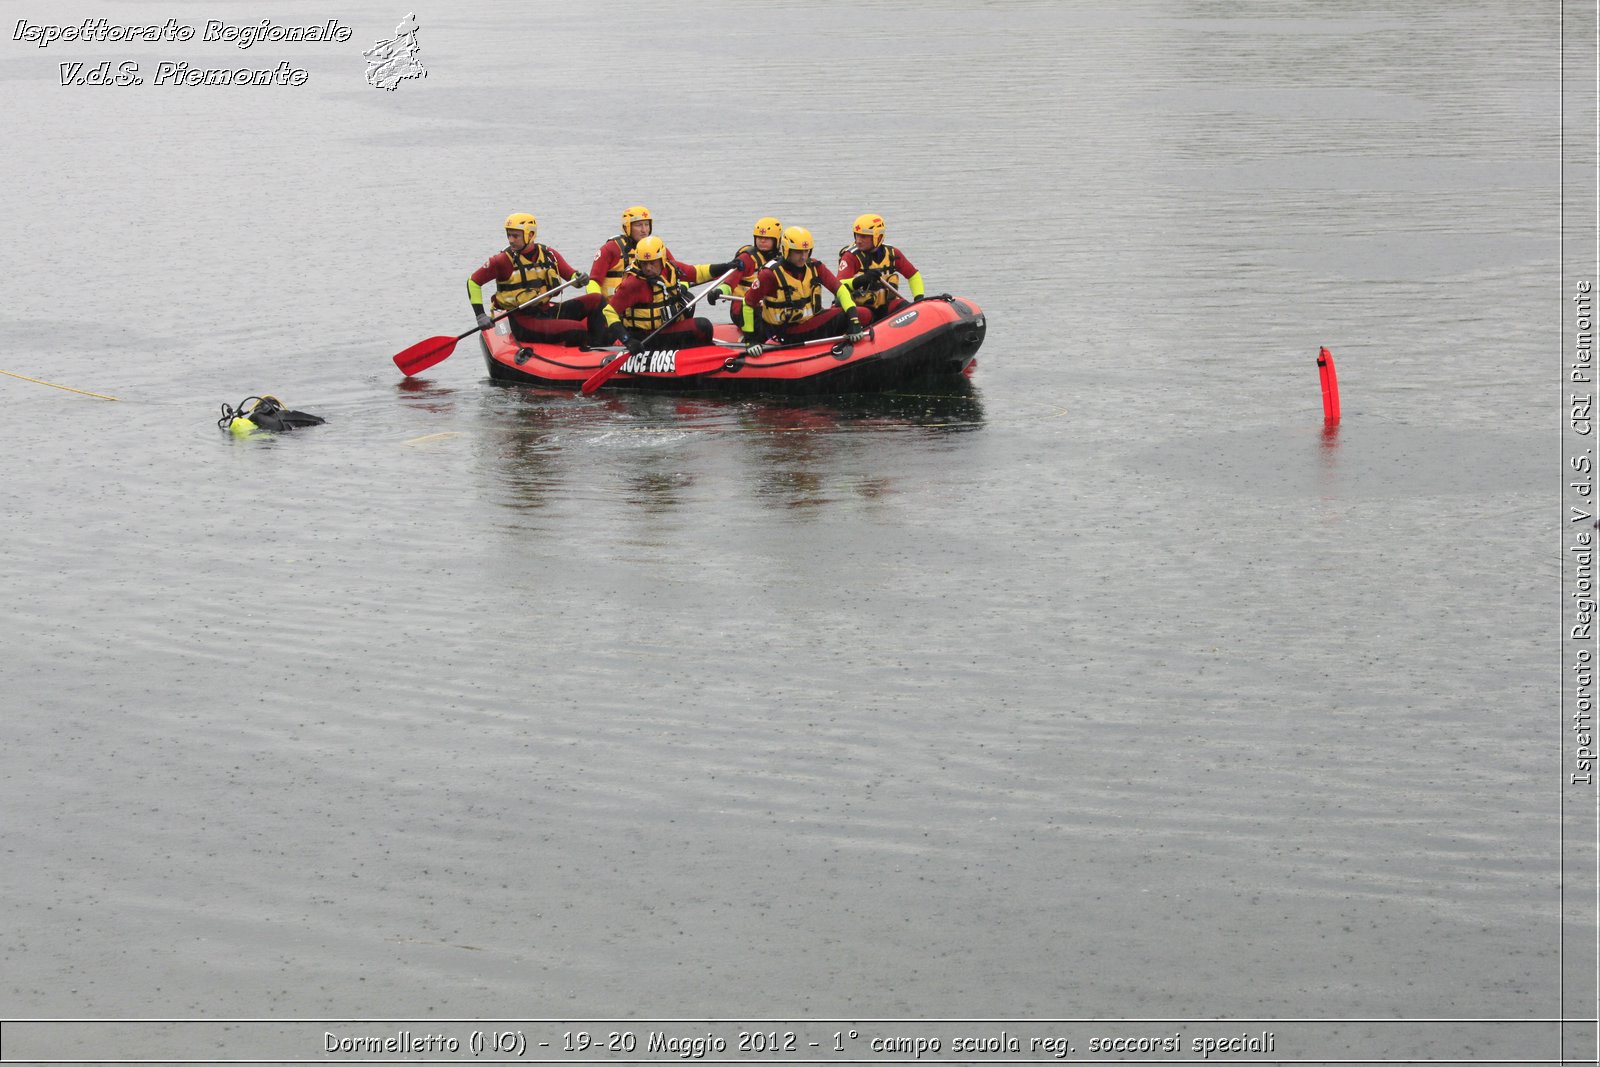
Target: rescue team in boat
(636, 290)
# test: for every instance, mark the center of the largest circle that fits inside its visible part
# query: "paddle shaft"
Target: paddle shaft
(607, 372)
(424, 354)
(508, 312)
(765, 348)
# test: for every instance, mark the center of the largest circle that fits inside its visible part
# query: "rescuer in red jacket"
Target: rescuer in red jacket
(785, 303)
(611, 263)
(762, 249)
(524, 270)
(651, 292)
(873, 269)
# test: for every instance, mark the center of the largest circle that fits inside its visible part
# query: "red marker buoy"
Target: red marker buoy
(1330, 386)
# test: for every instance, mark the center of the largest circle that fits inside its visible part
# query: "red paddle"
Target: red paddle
(424, 354)
(607, 372)
(686, 363)
(710, 359)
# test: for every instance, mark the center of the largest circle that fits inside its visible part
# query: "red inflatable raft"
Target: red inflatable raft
(936, 337)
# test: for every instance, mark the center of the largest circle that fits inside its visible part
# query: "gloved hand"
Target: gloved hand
(718, 269)
(713, 295)
(918, 298)
(853, 331)
(751, 351)
(484, 321)
(580, 279)
(633, 344)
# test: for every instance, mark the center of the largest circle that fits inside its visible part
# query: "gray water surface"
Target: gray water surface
(1110, 687)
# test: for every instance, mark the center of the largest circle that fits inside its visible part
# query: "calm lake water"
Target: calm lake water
(1112, 687)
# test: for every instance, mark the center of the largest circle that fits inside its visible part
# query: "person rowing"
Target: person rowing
(761, 250)
(873, 269)
(652, 295)
(523, 272)
(785, 303)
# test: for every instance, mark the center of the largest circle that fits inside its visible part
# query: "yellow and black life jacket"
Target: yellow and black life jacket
(619, 269)
(797, 299)
(882, 260)
(530, 276)
(667, 296)
(742, 285)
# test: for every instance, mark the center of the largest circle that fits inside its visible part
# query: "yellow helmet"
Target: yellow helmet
(636, 213)
(797, 237)
(651, 249)
(768, 227)
(871, 226)
(524, 222)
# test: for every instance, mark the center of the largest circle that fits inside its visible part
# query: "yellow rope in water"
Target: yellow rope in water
(53, 385)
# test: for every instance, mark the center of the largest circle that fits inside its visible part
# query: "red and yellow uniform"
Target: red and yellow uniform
(765, 237)
(611, 263)
(890, 265)
(746, 264)
(643, 303)
(786, 302)
(520, 276)
(616, 255)
(614, 259)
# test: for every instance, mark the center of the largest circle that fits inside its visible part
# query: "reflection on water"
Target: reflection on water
(530, 463)
(1330, 435)
(657, 489)
(945, 406)
(426, 395)
(654, 450)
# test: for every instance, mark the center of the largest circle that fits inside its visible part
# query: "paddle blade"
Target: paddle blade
(704, 361)
(424, 354)
(604, 374)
